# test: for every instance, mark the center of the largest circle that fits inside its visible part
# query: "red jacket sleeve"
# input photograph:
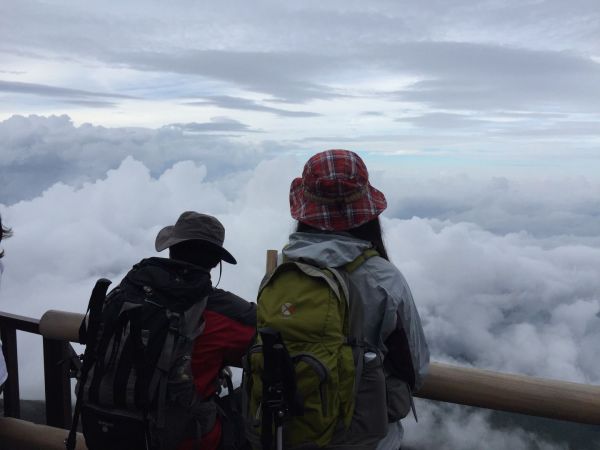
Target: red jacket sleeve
(228, 333)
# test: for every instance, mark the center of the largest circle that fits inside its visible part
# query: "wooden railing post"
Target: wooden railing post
(57, 383)
(9, 324)
(12, 403)
(271, 261)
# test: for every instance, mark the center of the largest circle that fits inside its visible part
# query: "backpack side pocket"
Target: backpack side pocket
(399, 398)
(369, 423)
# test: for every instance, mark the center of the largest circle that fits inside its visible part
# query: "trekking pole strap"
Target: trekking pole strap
(161, 374)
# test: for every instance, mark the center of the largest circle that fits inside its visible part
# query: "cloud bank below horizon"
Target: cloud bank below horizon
(518, 296)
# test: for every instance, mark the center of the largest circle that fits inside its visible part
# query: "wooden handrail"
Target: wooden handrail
(16, 434)
(57, 365)
(554, 399)
(9, 325)
(61, 325)
(21, 323)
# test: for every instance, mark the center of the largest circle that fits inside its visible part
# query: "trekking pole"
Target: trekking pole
(281, 409)
(279, 388)
(87, 336)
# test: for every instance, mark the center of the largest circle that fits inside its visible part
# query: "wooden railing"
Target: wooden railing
(60, 362)
(449, 383)
(554, 399)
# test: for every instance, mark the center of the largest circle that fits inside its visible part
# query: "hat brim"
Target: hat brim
(335, 216)
(165, 239)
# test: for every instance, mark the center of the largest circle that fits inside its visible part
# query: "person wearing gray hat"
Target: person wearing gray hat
(198, 239)
(168, 337)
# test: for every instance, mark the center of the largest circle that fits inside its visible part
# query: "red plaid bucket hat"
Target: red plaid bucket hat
(334, 192)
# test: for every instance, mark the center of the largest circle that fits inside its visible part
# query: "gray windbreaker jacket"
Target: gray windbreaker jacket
(391, 321)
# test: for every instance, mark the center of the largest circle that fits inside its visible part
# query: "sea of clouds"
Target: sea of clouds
(505, 271)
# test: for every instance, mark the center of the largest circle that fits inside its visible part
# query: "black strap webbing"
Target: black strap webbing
(163, 365)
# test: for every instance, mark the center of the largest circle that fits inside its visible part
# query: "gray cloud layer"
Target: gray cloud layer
(38, 152)
(51, 91)
(61, 94)
(487, 77)
(515, 64)
(228, 102)
(216, 125)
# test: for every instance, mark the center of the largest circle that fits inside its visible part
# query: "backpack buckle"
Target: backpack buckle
(174, 321)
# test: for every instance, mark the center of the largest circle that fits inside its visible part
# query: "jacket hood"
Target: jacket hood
(325, 249)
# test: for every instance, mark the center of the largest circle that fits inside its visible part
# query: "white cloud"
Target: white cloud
(453, 427)
(541, 205)
(498, 301)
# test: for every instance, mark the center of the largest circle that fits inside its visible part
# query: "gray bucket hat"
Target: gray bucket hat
(195, 226)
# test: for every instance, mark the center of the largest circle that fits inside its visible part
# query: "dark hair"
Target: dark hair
(200, 253)
(370, 231)
(4, 233)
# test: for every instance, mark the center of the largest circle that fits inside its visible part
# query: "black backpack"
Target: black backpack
(136, 389)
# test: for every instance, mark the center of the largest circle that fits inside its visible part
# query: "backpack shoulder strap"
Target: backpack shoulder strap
(360, 260)
(307, 269)
(356, 314)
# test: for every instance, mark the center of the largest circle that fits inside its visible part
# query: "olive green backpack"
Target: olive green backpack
(340, 381)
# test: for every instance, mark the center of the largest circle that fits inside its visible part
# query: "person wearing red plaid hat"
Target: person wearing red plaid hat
(338, 210)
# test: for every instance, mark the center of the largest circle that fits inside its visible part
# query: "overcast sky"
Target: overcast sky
(478, 120)
(513, 83)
